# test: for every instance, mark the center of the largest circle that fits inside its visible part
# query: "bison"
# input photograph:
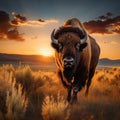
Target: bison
(76, 55)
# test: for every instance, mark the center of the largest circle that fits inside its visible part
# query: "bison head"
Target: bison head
(68, 42)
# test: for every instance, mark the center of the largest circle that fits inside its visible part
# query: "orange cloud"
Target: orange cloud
(104, 25)
(7, 31)
(39, 23)
(8, 28)
(20, 20)
(14, 34)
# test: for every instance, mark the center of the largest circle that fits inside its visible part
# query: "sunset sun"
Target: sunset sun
(46, 52)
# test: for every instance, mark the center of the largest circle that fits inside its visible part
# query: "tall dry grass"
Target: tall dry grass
(27, 94)
(54, 109)
(16, 102)
(102, 103)
(12, 100)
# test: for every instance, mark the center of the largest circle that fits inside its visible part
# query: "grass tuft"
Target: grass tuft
(54, 109)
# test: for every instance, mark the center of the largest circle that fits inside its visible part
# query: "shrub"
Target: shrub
(24, 77)
(16, 103)
(54, 109)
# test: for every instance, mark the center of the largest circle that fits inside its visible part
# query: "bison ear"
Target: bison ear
(55, 46)
(82, 46)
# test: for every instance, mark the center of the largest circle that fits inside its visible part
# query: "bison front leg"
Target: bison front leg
(88, 85)
(89, 81)
(74, 96)
(69, 94)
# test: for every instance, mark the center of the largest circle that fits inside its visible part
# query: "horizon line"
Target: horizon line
(48, 56)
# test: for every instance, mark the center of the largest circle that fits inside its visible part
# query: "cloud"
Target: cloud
(9, 28)
(7, 31)
(20, 20)
(14, 34)
(39, 22)
(106, 24)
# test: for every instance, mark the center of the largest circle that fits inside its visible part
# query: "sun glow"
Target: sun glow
(46, 52)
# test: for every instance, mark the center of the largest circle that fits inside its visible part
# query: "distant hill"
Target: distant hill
(39, 59)
(109, 62)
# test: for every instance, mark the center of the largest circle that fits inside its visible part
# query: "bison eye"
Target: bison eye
(78, 46)
(60, 46)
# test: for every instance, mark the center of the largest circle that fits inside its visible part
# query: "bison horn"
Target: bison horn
(53, 38)
(82, 41)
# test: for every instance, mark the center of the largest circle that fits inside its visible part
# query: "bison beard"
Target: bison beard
(79, 48)
(68, 73)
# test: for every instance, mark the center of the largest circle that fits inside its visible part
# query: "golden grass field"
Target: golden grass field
(35, 95)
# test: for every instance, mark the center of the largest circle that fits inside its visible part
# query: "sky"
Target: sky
(26, 25)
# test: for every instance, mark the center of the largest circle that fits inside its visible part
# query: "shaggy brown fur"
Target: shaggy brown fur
(86, 57)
